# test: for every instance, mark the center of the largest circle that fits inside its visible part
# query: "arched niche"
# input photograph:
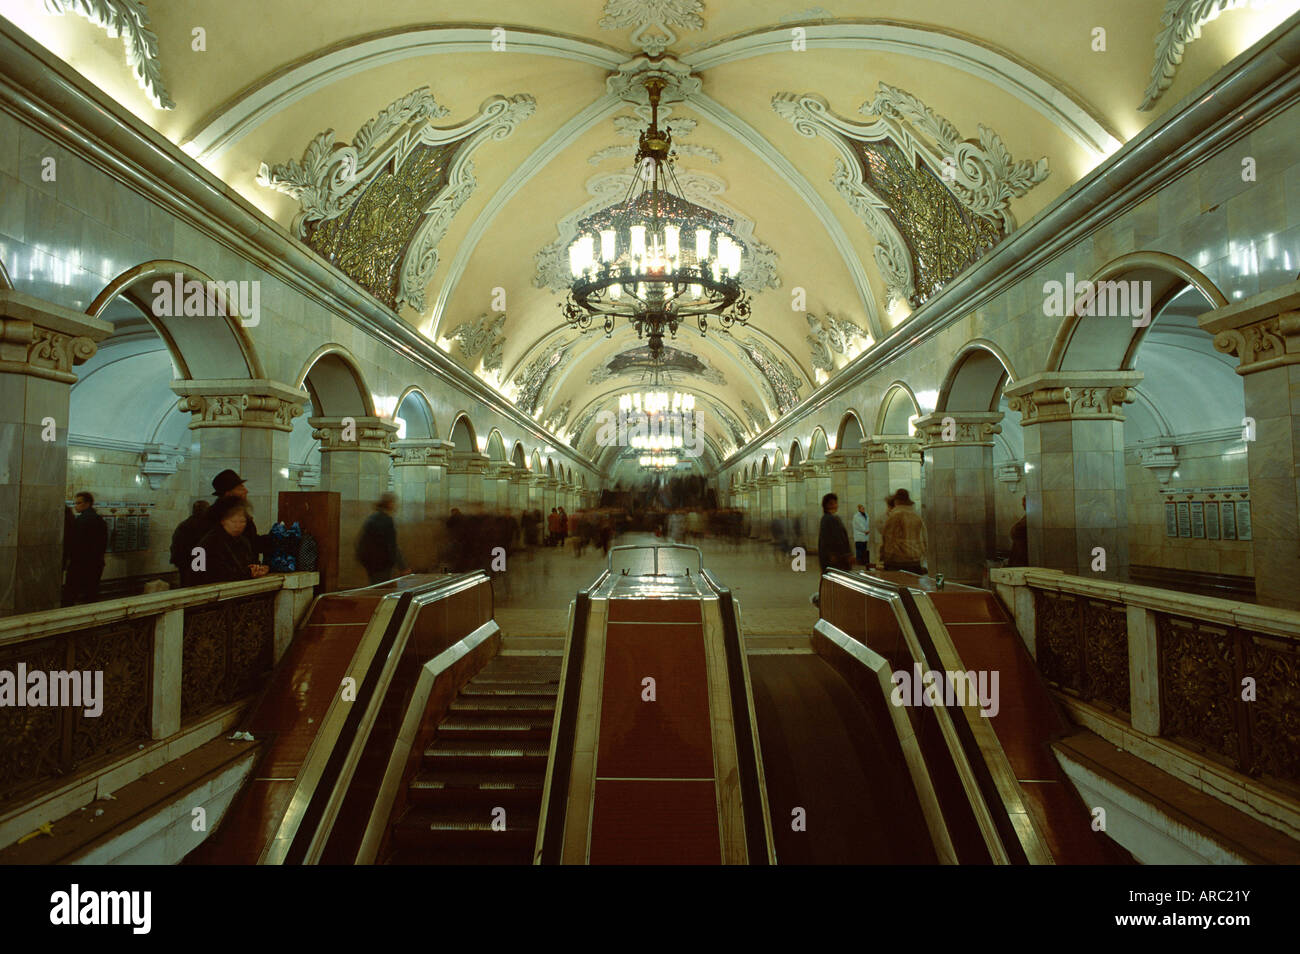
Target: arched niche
(496, 447)
(976, 379)
(518, 457)
(414, 416)
(210, 345)
(849, 435)
(817, 444)
(463, 435)
(898, 411)
(796, 453)
(334, 382)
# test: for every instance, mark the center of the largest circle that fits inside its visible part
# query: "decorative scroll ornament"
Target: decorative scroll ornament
(531, 383)
(410, 176)
(1263, 344)
(967, 428)
(471, 337)
(653, 20)
(783, 384)
(757, 419)
(240, 410)
(956, 192)
(130, 20)
(832, 335)
(584, 422)
(28, 348)
(559, 417)
(1182, 21)
(894, 448)
(630, 127)
(363, 433)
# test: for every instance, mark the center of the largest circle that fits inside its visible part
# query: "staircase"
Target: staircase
(489, 753)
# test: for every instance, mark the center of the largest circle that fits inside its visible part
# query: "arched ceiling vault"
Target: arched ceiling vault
(324, 89)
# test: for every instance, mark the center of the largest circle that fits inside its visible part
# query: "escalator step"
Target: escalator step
(467, 726)
(522, 706)
(536, 690)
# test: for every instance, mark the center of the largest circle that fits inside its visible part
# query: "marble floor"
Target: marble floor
(532, 596)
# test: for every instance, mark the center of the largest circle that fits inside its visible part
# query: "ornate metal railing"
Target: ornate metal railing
(85, 685)
(1083, 646)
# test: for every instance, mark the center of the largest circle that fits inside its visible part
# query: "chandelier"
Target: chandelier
(656, 259)
(658, 461)
(660, 415)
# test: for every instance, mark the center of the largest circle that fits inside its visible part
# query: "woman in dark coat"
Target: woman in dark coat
(227, 555)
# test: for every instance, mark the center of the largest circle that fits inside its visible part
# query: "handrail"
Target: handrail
(319, 809)
(555, 790)
(749, 751)
(29, 626)
(699, 556)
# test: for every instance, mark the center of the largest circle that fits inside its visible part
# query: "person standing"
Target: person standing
(186, 537)
(230, 484)
(562, 525)
(377, 545)
(87, 541)
(861, 534)
(833, 550)
(227, 555)
(903, 536)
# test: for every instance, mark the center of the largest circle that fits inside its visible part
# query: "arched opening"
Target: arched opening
(898, 411)
(796, 453)
(849, 435)
(463, 436)
(518, 457)
(817, 446)
(496, 447)
(414, 416)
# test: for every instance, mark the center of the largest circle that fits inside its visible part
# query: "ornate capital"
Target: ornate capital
(353, 433)
(467, 464)
(1263, 331)
(1160, 459)
(45, 340)
(421, 452)
(887, 447)
(1073, 396)
(159, 462)
(954, 428)
(240, 403)
(846, 459)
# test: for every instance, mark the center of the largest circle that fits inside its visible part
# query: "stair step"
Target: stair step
(462, 753)
(541, 691)
(515, 705)
(484, 780)
(481, 726)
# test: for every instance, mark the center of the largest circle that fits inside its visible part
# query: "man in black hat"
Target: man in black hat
(230, 484)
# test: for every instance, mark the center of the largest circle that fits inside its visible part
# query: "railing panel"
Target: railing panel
(1082, 646)
(229, 646)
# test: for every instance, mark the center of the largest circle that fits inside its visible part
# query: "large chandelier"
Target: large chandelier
(658, 461)
(659, 414)
(656, 259)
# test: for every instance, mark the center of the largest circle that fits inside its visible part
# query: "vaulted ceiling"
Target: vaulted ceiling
(512, 118)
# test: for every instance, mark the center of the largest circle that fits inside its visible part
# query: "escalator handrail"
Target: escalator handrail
(322, 791)
(699, 555)
(748, 753)
(974, 757)
(555, 796)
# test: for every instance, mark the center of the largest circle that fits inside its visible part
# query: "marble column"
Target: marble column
(816, 485)
(792, 479)
(420, 481)
(893, 461)
(537, 496)
(960, 519)
(1075, 489)
(764, 507)
(40, 345)
(496, 492)
(848, 467)
(244, 425)
(465, 482)
(1263, 331)
(356, 457)
(517, 492)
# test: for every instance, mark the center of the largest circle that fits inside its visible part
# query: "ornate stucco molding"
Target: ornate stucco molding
(44, 340)
(331, 176)
(421, 452)
(1056, 396)
(831, 336)
(980, 174)
(239, 403)
(354, 434)
(653, 20)
(474, 336)
(783, 385)
(1263, 344)
(1182, 21)
(130, 20)
(892, 447)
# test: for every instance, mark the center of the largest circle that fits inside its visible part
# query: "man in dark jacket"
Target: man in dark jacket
(833, 549)
(84, 556)
(377, 546)
(186, 538)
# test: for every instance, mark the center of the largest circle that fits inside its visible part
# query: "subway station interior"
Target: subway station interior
(650, 432)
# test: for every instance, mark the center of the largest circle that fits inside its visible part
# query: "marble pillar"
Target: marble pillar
(465, 482)
(40, 345)
(792, 480)
(1076, 495)
(356, 458)
(1263, 331)
(960, 519)
(893, 461)
(244, 426)
(420, 482)
(848, 467)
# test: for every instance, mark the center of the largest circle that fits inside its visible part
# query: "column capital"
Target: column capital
(1073, 396)
(421, 452)
(887, 447)
(354, 434)
(1263, 331)
(467, 463)
(967, 427)
(44, 340)
(240, 402)
(846, 458)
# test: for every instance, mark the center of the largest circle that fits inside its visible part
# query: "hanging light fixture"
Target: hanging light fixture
(667, 412)
(658, 461)
(656, 259)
